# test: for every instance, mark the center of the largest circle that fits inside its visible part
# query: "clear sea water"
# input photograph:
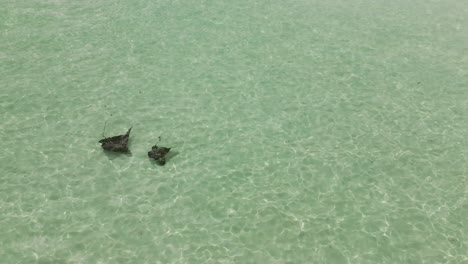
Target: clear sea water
(302, 131)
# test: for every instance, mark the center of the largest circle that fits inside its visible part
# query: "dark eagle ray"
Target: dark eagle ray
(158, 153)
(116, 143)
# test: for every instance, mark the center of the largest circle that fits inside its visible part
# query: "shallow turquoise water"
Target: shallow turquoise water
(303, 131)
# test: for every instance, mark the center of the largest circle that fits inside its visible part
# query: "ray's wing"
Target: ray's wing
(120, 139)
(114, 139)
(124, 138)
(128, 131)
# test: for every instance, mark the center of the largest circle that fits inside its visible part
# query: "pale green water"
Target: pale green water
(305, 131)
